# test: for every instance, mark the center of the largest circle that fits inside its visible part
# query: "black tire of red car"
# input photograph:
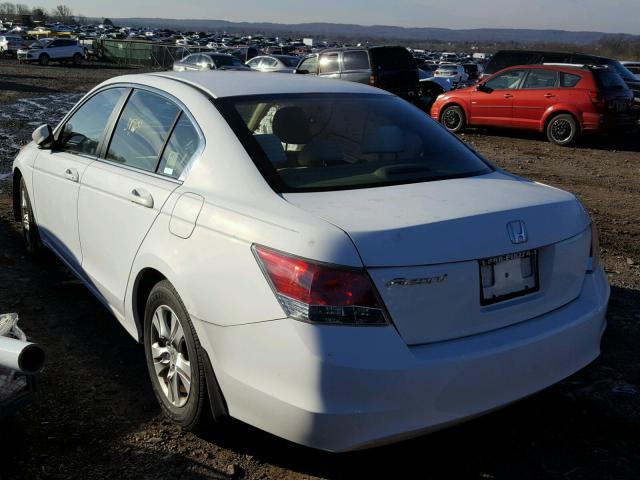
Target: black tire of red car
(30, 234)
(77, 59)
(195, 413)
(43, 59)
(563, 130)
(453, 119)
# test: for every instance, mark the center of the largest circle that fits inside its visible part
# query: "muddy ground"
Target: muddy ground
(95, 415)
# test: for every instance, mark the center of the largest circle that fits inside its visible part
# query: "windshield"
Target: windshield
(314, 142)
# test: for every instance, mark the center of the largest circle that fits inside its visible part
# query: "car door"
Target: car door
(308, 65)
(539, 91)
(492, 101)
(125, 189)
(356, 67)
(329, 65)
(58, 172)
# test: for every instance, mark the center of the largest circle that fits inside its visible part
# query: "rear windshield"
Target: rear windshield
(316, 142)
(609, 80)
(619, 68)
(392, 58)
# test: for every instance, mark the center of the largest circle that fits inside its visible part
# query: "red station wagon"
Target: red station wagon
(563, 101)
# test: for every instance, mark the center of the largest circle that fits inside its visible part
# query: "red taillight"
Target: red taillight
(318, 293)
(596, 99)
(373, 79)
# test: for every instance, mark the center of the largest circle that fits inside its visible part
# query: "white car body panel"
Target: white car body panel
(444, 359)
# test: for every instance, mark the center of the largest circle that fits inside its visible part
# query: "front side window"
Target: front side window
(540, 79)
(308, 142)
(142, 130)
(506, 81)
(309, 64)
(329, 63)
(253, 63)
(356, 60)
(83, 131)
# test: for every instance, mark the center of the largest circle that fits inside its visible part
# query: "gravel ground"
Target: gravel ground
(95, 415)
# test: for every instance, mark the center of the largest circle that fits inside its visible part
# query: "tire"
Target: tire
(173, 353)
(43, 59)
(563, 130)
(77, 59)
(453, 119)
(30, 234)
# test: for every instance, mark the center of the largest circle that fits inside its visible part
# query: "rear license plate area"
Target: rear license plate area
(508, 276)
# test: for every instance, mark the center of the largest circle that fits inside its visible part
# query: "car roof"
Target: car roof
(220, 84)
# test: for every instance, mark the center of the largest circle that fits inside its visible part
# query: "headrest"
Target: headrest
(383, 139)
(320, 153)
(291, 125)
(272, 148)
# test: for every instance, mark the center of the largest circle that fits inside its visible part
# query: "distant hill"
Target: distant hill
(320, 30)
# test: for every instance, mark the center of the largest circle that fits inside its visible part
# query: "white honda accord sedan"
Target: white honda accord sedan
(316, 258)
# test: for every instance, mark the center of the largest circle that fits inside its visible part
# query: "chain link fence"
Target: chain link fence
(141, 53)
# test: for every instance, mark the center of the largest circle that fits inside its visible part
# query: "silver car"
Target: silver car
(274, 63)
(208, 61)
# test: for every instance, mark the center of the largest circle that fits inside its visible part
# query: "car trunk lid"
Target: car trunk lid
(422, 243)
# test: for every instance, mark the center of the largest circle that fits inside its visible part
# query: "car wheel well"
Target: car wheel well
(147, 279)
(560, 112)
(17, 176)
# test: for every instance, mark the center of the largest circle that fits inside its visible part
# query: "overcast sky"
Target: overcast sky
(592, 15)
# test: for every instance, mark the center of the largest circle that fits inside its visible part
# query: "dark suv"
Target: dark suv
(511, 58)
(390, 68)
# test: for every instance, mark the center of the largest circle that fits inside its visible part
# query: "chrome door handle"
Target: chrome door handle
(72, 174)
(141, 197)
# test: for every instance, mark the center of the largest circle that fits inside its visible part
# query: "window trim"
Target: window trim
(115, 115)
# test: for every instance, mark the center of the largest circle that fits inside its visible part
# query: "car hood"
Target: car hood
(448, 220)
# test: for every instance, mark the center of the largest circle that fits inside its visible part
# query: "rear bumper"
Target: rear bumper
(609, 122)
(345, 388)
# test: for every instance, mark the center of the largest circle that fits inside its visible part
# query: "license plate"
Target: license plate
(508, 276)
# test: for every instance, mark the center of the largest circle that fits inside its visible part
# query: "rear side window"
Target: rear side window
(540, 79)
(569, 80)
(355, 60)
(84, 129)
(329, 63)
(181, 147)
(142, 130)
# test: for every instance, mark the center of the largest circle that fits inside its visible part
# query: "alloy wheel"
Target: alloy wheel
(561, 130)
(170, 356)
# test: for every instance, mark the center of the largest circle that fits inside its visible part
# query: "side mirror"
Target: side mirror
(302, 71)
(43, 136)
(481, 87)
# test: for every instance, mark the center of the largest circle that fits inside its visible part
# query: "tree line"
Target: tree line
(17, 11)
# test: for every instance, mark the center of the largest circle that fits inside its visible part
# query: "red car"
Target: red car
(563, 101)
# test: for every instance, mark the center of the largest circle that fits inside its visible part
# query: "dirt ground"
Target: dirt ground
(95, 415)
